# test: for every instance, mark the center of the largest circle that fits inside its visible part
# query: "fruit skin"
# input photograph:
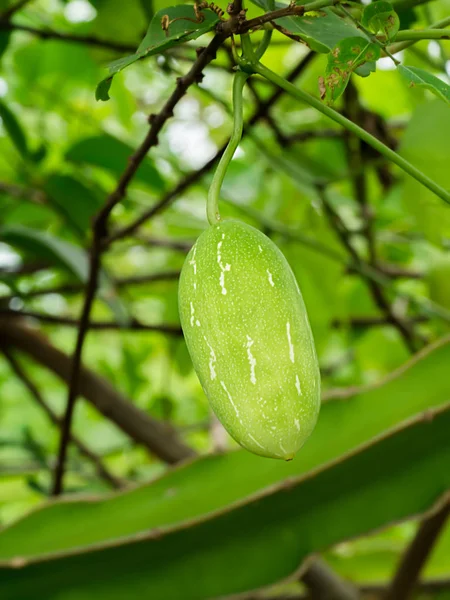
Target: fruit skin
(249, 338)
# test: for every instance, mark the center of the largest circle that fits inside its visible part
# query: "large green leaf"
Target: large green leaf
(110, 153)
(183, 25)
(395, 477)
(216, 483)
(64, 254)
(322, 32)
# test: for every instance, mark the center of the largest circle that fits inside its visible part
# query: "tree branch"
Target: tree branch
(100, 231)
(133, 325)
(160, 439)
(416, 555)
(324, 584)
(50, 34)
(74, 288)
(102, 471)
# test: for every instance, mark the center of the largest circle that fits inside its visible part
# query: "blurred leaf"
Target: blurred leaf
(48, 247)
(62, 253)
(348, 55)
(182, 26)
(438, 278)
(4, 41)
(425, 145)
(14, 129)
(421, 78)
(381, 18)
(321, 33)
(110, 153)
(77, 202)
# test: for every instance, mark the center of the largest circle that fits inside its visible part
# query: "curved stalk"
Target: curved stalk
(264, 44)
(212, 210)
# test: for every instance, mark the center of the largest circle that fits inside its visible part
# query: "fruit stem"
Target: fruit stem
(212, 209)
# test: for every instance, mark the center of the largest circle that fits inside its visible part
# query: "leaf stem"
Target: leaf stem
(401, 45)
(212, 209)
(422, 34)
(353, 128)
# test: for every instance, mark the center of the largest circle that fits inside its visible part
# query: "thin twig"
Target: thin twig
(132, 325)
(100, 232)
(364, 322)
(75, 288)
(324, 584)
(50, 34)
(56, 420)
(413, 560)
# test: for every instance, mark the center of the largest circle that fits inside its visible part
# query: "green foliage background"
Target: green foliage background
(61, 154)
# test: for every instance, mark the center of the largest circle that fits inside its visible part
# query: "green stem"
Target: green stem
(214, 191)
(264, 44)
(353, 128)
(422, 34)
(402, 45)
(318, 4)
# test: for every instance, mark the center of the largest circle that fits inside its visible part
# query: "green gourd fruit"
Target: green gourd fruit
(249, 338)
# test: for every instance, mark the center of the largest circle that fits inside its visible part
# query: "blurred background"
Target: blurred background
(371, 253)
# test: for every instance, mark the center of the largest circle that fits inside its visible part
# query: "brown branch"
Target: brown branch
(102, 471)
(50, 34)
(195, 176)
(74, 288)
(160, 439)
(100, 228)
(363, 322)
(392, 271)
(324, 584)
(17, 191)
(417, 553)
(133, 325)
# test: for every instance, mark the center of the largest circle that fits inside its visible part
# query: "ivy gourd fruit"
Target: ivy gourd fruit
(248, 335)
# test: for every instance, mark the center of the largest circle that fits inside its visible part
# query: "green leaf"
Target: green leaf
(14, 129)
(183, 26)
(321, 33)
(419, 77)
(77, 202)
(110, 153)
(348, 55)
(372, 487)
(208, 511)
(67, 255)
(381, 18)
(48, 247)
